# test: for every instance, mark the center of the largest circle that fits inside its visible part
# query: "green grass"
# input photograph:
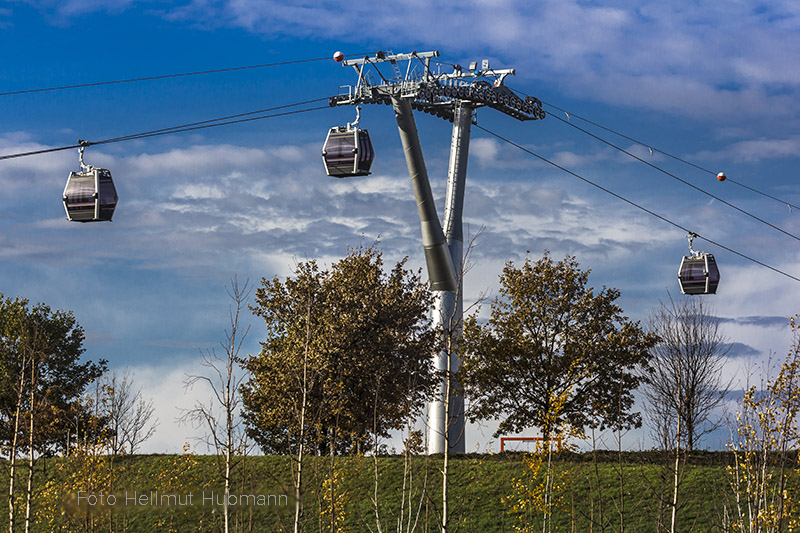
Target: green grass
(481, 493)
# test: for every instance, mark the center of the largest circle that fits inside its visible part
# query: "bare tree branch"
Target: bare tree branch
(221, 415)
(685, 379)
(129, 415)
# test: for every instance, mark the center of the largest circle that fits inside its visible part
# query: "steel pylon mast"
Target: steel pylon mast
(408, 82)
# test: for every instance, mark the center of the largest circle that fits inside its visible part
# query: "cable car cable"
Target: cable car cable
(673, 176)
(654, 149)
(634, 204)
(184, 129)
(158, 133)
(671, 156)
(178, 129)
(238, 115)
(167, 76)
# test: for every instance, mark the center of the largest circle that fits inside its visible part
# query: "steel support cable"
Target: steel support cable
(167, 76)
(634, 204)
(181, 128)
(671, 156)
(673, 176)
(229, 117)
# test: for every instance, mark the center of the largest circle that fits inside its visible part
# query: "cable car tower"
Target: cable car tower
(407, 82)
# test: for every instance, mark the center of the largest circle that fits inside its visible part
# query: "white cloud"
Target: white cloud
(65, 10)
(198, 192)
(26, 175)
(571, 160)
(202, 160)
(164, 386)
(755, 149)
(764, 149)
(685, 57)
(485, 150)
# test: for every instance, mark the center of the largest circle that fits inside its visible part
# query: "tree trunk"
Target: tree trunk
(13, 451)
(29, 487)
(675, 483)
(298, 486)
(226, 510)
(228, 428)
(446, 462)
(619, 457)
(597, 482)
(375, 501)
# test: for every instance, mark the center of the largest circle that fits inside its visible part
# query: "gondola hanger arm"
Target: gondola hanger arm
(351, 125)
(691, 236)
(83, 144)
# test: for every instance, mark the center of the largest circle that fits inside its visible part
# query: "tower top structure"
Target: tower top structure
(414, 77)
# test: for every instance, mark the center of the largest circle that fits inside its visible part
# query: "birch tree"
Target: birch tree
(685, 379)
(221, 416)
(129, 416)
(42, 382)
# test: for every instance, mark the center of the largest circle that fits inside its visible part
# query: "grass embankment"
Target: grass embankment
(174, 493)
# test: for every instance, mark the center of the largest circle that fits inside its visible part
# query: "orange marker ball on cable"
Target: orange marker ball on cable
(721, 176)
(338, 57)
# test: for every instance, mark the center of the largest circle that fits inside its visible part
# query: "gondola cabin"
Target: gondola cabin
(698, 274)
(90, 195)
(347, 152)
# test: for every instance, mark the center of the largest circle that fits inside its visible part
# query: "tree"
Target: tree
(685, 382)
(346, 356)
(221, 416)
(129, 416)
(550, 336)
(41, 382)
(356, 332)
(764, 443)
(378, 342)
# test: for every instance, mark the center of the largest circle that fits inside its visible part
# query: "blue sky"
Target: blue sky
(715, 83)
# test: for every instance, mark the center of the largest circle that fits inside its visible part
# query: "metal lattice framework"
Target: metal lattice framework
(434, 92)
